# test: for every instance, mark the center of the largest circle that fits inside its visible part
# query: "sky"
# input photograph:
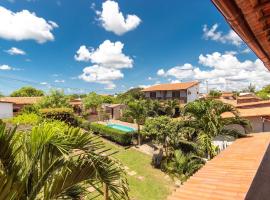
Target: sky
(111, 46)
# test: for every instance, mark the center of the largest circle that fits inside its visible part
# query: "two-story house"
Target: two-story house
(184, 92)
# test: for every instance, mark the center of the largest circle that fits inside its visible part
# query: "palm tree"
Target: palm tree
(54, 162)
(137, 111)
(170, 107)
(183, 165)
(205, 117)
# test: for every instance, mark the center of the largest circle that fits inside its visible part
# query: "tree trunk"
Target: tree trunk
(139, 136)
(106, 191)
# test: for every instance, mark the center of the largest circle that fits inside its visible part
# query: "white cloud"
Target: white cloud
(161, 72)
(213, 34)
(25, 25)
(247, 50)
(222, 71)
(5, 67)
(113, 20)
(43, 83)
(108, 54)
(59, 81)
(108, 60)
(15, 51)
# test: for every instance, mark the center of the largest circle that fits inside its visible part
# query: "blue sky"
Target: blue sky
(85, 45)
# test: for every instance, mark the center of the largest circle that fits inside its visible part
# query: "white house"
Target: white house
(6, 110)
(184, 92)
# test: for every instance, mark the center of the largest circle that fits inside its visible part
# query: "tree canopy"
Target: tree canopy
(55, 99)
(27, 91)
(92, 100)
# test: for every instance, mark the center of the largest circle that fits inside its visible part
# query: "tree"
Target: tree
(205, 118)
(131, 95)
(1, 95)
(264, 93)
(137, 111)
(93, 101)
(27, 92)
(160, 129)
(214, 94)
(251, 88)
(55, 99)
(56, 162)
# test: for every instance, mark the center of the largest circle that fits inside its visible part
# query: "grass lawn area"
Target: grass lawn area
(153, 184)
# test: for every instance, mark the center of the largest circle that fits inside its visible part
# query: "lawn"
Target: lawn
(145, 182)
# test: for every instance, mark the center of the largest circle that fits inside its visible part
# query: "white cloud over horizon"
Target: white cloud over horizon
(213, 34)
(15, 51)
(112, 19)
(108, 60)
(222, 71)
(25, 25)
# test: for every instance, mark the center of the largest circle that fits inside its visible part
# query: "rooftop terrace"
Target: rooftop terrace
(239, 172)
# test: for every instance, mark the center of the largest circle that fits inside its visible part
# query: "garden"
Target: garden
(49, 152)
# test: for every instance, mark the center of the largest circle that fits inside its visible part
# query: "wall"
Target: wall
(6, 110)
(147, 94)
(194, 93)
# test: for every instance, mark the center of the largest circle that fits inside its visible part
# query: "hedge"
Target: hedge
(118, 136)
(62, 114)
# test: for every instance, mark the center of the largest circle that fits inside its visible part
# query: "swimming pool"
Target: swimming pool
(121, 127)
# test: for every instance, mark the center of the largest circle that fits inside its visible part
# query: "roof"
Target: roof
(230, 175)
(113, 105)
(21, 100)
(253, 104)
(171, 86)
(249, 19)
(250, 112)
(5, 102)
(227, 94)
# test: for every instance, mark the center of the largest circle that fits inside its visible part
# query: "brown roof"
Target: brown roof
(21, 100)
(249, 19)
(253, 104)
(229, 175)
(171, 86)
(227, 94)
(250, 112)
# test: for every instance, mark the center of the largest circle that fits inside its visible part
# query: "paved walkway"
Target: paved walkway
(230, 174)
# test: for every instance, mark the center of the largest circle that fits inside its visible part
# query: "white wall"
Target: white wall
(6, 110)
(147, 94)
(194, 93)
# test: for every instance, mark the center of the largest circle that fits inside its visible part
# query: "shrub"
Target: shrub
(30, 109)
(62, 114)
(26, 119)
(120, 137)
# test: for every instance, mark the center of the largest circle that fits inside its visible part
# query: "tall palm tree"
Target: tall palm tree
(54, 162)
(207, 121)
(137, 111)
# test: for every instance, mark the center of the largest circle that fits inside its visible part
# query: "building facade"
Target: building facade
(184, 92)
(6, 110)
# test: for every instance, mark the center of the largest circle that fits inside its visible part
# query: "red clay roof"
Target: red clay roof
(249, 19)
(250, 112)
(21, 100)
(253, 104)
(171, 86)
(229, 175)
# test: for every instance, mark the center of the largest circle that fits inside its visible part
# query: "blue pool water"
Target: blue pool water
(121, 127)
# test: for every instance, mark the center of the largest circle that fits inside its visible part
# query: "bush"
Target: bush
(120, 137)
(29, 109)
(26, 119)
(61, 114)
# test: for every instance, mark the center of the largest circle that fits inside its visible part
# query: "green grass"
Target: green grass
(154, 186)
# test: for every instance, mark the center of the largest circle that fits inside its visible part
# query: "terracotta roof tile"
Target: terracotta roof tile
(250, 112)
(171, 86)
(21, 100)
(229, 175)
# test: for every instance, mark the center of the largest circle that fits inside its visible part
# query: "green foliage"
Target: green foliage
(27, 92)
(108, 99)
(52, 160)
(251, 88)
(215, 93)
(30, 109)
(55, 99)
(92, 100)
(62, 114)
(264, 93)
(130, 95)
(118, 136)
(205, 118)
(26, 119)
(1, 94)
(182, 165)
